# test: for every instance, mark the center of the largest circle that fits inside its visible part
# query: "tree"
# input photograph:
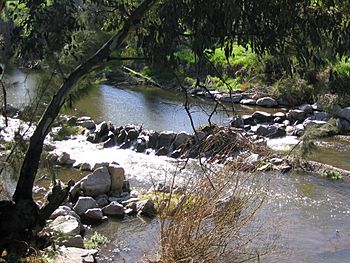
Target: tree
(301, 30)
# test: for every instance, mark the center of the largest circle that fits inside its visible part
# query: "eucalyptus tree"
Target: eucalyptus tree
(306, 31)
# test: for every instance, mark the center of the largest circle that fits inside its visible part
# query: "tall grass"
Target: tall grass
(209, 224)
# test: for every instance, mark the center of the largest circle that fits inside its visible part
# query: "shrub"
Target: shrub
(211, 224)
(96, 241)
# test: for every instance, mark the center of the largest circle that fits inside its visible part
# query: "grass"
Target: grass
(343, 68)
(66, 131)
(332, 175)
(96, 241)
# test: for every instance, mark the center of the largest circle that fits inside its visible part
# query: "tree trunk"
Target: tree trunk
(19, 217)
(31, 161)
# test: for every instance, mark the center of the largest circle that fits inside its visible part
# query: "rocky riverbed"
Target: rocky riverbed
(106, 191)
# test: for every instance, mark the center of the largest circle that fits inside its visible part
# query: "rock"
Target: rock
(94, 214)
(153, 139)
(87, 123)
(181, 138)
(307, 108)
(146, 208)
(85, 167)
(248, 102)
(317, 106)
(117, 175)
(97, 183)
(280, 115)
(83, 204)
(176, 154)
(237, 122)
(75, 255)
(307, 123)
(121, 136)
(276, 161)
(248, 120)
(162, 151)
(131, 209)
(64, 159)
(52, 157)
(344, 113)
(141, 145)
(320, 116)
(126, 186)
(267, 102)
(64, 211)
(113, 209)
(109, 143)
(75, 241)
(235, 98)
(68, 225)
(99, 165)
(296, 115)
(271, 131)
(75, 192)
(101, 132)
(102, 200)
(165, 139)
(262, 116)
(132, 135)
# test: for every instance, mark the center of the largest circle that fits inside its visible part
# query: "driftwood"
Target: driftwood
(139, 75)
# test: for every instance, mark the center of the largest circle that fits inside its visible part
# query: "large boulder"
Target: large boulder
(97, 183)
(117, 175)
(83, 204)
(113, 209)
(267, 102)
(86, 122)
(344, 113)
(153, 139)
(67, 225)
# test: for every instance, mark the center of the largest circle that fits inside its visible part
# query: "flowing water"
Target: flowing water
(310, 215)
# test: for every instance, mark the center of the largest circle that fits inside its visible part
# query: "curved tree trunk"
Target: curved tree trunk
(31, 161)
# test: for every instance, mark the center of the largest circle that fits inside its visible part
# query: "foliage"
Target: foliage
(96, 241)
(332, 175)
(65, 131)
(294, 91)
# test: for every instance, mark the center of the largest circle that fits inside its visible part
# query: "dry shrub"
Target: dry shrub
(209, 224)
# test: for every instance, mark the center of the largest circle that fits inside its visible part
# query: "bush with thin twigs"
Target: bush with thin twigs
(209, 224)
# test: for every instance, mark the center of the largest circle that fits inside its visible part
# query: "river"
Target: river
(312, 214)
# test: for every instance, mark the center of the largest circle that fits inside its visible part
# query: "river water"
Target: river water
(312, 214)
